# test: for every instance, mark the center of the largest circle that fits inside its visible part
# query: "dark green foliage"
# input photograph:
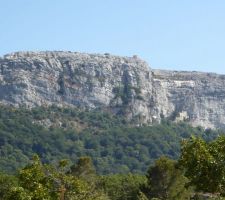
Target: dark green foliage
(166, 181)
(125, 93)
(61, 82)
(122, 187)
(204, 164)
(63, 133)
(6, 182)
(84, 169)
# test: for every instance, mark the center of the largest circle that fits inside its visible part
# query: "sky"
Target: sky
(169, 34)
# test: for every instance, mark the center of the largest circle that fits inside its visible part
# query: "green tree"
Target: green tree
(45, 182)
(122, 186)
(142, 196)
(84, 168)
(17, 193)
(6, 182)
(204, 164)
(166, 181)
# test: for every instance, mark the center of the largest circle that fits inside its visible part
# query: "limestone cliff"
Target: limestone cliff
(122, 85)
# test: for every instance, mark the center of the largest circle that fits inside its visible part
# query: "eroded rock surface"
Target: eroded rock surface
(122, 85)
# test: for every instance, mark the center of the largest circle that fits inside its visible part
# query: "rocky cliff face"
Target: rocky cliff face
(122, 85)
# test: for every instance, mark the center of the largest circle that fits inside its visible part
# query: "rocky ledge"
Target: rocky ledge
(122, 85)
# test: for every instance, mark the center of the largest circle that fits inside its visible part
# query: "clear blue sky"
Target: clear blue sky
(168, 34)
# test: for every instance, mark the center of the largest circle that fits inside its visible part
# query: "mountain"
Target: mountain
(124, 86)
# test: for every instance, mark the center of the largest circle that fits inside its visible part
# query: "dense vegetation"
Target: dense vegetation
(93, 155)
(198, 174)
(62, 133)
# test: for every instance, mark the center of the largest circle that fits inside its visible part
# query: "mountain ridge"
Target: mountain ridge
(122, 85)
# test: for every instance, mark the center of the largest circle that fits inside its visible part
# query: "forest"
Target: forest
(114, 145)
(199, 174)
(52, 153)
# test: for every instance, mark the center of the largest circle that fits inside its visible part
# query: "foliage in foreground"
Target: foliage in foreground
(166, 181)
(38, 181)
(197, 175)
(45, 182)
(204, 164)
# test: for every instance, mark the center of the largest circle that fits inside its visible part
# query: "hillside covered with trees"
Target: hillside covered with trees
(114, 145)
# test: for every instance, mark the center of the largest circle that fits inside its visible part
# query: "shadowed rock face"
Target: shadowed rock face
(122, 85)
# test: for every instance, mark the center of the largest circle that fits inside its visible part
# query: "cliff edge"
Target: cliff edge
(122, 85)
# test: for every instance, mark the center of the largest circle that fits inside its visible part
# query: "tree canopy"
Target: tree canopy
(114, 145)
(204, 163)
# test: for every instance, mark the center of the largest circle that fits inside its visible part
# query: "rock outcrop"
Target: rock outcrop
(123, 85)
